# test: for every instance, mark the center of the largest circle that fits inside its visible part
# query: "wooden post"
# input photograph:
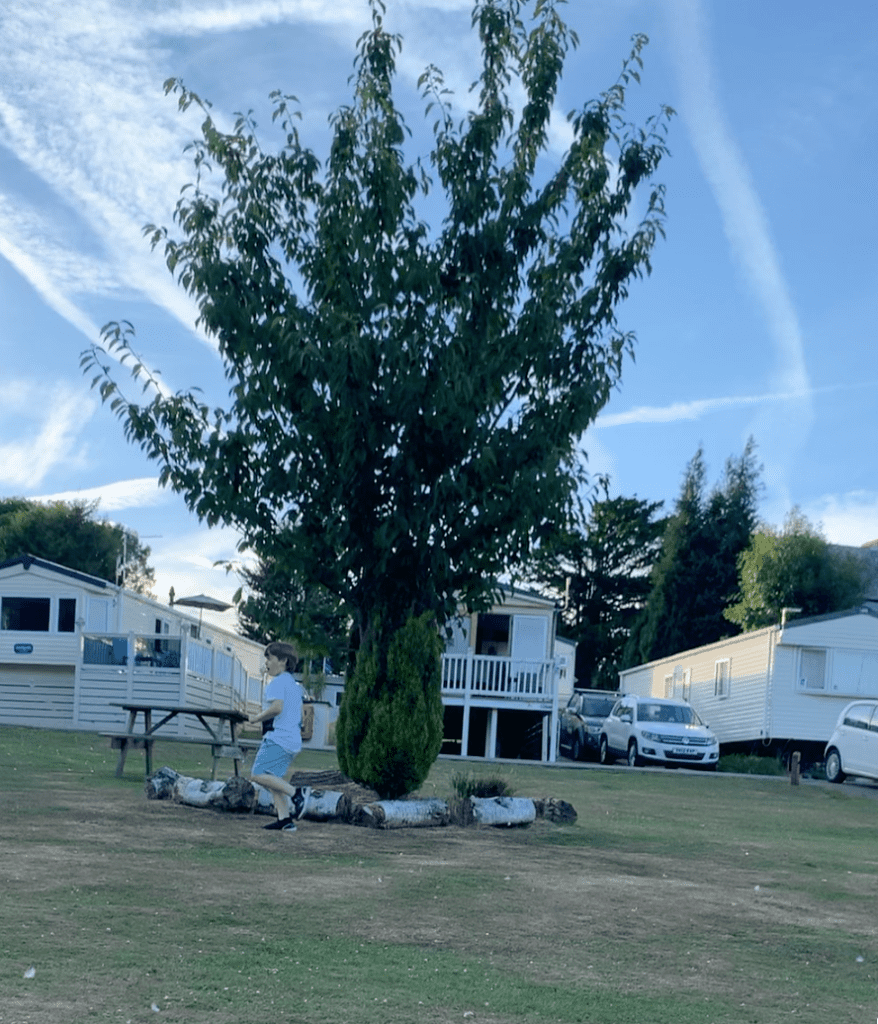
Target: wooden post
(491, 737)
(467, 694)
(795, 766)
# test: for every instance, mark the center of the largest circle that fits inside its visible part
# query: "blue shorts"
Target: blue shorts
(271, 759)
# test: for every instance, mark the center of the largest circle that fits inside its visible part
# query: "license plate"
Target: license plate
(684, 752)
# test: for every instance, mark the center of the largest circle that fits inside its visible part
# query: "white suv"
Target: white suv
(653, 729)
(853, 747)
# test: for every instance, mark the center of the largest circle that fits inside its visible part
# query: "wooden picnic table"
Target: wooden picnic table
(214, 721)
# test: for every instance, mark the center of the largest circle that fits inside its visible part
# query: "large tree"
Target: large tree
(405, 402)
(599, 569)
(696, 576)
(72, 535)
(794, 567)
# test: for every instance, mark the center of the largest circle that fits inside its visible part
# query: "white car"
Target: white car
(657, 730)
(853, 747)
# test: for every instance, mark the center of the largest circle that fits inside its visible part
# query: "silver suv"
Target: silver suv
(660, 731)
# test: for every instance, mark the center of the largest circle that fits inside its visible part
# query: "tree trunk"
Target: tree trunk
(402, 813)
(237, 794)
(502, 810)
(553, 809)
(326, 805)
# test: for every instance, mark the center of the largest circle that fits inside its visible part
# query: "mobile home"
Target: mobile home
(775, 689)
(73, 645)
(501, 675)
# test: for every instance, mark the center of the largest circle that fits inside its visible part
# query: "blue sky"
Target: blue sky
(759, 317)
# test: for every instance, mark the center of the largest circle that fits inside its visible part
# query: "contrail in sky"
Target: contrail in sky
(778, 433)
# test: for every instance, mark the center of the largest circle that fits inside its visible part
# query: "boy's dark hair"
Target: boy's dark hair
(282, 650)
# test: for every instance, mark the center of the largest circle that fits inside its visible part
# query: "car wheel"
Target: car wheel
(834, 772)
(604, 751)
(633, 757)
(576, 749)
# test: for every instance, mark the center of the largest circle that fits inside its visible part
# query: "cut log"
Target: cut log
(235, 794)
(160, 785)
(319, 804)
(326, 805)
(502, 810)
(552, 809)
(402, 814)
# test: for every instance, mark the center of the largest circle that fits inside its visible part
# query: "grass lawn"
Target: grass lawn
(675, 897)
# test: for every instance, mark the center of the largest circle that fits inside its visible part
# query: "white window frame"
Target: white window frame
(687, 685)
(43, 599)
(816, 654)
(669, 685)
(722, 678)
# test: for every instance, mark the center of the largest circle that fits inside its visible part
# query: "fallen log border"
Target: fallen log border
(322, 804)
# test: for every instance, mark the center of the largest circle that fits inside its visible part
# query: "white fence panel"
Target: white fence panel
(488, 675)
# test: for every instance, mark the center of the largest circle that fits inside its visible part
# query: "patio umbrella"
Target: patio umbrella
(202, 601)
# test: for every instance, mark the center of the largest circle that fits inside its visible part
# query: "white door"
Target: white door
(97, 615)
(529, 635)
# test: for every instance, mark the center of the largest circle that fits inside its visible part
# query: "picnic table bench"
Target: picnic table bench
(214, 721)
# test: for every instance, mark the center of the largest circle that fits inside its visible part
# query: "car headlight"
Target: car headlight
(654, 737)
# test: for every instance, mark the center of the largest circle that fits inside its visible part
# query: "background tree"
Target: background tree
(278, 607)
(405, 404)
(600, 571)
(695, 577)
(70, 534)
(794, 567)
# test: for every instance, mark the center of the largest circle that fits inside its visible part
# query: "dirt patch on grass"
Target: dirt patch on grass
(123, 886)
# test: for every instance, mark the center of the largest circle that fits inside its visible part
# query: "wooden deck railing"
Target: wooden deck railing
(488, 675)
(177, 670)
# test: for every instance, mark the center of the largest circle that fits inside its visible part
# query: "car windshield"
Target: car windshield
(598, 707)
(681, 714)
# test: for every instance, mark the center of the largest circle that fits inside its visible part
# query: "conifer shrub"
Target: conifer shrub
(390, 724)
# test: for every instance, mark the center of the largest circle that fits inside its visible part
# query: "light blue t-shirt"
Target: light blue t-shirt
(287, 731)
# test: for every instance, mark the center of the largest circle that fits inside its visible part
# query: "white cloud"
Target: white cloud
(90, 121)
(692, 410)
(232, 16)
(187, 563)
(48, 420)
(850, 518)
(33, 267)
(142, 492)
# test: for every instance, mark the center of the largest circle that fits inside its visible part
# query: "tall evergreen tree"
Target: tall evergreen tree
(695, 578)
(599, 569)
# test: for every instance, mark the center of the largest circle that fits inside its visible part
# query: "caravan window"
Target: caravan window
(26, 614)
(813, 669)
(722, 674)
(67, 615)
(492, 634)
